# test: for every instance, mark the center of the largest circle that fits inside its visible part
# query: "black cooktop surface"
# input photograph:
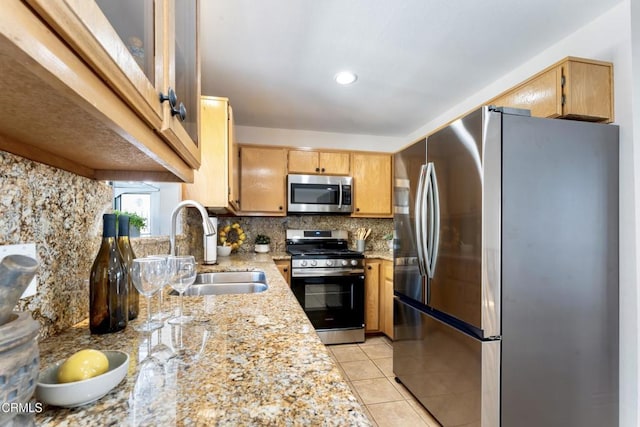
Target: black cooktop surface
(324, 253)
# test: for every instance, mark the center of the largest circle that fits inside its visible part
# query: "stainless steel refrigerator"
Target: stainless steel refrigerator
(506, 271)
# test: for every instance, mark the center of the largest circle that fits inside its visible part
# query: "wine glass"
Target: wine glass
(182, 274)
(148, 275)
(161, 314)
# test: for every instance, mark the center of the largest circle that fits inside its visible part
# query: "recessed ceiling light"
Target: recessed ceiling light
(345, 77)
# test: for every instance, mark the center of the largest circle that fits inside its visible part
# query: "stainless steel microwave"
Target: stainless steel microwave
(319, 194)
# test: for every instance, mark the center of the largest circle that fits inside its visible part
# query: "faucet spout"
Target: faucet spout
(208, 229)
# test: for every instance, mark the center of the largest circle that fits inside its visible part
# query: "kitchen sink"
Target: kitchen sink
(227, 282)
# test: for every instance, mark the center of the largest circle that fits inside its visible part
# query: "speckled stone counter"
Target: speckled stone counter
(385, 255)
(256, 360)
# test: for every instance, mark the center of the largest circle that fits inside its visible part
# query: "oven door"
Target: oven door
(331, 302)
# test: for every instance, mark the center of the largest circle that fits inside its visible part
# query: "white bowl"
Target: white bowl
(79, 393)
(224, 250)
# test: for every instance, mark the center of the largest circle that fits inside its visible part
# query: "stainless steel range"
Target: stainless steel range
(328, 280)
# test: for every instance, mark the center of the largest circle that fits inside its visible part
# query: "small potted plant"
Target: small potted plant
(136, 222)
(389, 238)
(262, 243)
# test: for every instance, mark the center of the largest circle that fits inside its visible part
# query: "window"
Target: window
(151, 200)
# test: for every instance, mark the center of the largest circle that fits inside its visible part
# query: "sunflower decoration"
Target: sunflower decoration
(232, 235)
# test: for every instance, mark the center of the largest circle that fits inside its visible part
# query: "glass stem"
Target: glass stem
(180, 312)
(148, 298)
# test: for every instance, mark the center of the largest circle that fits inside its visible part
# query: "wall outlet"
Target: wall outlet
(28, 249)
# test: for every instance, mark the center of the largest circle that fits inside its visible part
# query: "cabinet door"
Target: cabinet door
(181, 72)
(130, 45)
(210, 184)
(372, 296)
(386, 298)
(335, 163)
(371, 184)
(234, 165)
(588, 91)
(301, 161)
(284, 266)
(542, 95)
(263, 180)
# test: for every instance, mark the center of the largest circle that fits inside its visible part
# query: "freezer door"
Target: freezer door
(456, 377)
(466, 160)
(407, 273)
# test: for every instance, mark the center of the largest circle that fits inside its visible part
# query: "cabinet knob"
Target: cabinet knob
(181, 112)
(317, 169)
(357, 209)
(322, 169)
(285, 269)
(279, 207)
(170, 96)
(368, 267)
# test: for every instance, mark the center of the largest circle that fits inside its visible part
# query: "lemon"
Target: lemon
(82, 365)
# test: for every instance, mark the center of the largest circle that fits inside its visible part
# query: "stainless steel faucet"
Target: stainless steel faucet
(208, 228)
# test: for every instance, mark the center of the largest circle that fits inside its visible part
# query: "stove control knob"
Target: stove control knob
(329, 262)
(344, 262)
(303, 263)
(313, 263)
(354, 262)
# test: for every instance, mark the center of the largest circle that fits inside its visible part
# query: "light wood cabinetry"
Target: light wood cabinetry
(263, 180)
(573, 88)
(141, 50)
(372, 189)
(284, 266)
(386, 298)
(372, 296)
(319, 162)
(63, 114)
(215, 183)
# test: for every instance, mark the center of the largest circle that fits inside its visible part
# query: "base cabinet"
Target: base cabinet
(386, 298)
(284, 266)
(371, 296)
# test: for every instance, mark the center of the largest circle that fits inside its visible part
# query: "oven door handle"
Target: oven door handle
(313, 272)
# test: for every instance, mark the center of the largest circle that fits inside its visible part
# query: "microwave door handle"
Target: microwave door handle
(340, 195)
(418, 220)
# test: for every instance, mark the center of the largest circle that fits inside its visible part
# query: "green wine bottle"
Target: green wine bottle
(124, 244)
(108, 304)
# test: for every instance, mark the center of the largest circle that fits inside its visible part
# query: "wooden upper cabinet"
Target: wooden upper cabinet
(573, 88)
(213, 182)
(141, 49)
(64, 114)
(263, 180)
(372, 190)
(319, 162)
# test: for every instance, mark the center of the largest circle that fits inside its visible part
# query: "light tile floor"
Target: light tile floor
(368, 369)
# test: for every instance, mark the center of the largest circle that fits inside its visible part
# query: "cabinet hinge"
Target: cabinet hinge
(562, 81)
(563, 99)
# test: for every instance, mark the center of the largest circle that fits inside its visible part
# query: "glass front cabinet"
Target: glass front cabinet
(147, 51)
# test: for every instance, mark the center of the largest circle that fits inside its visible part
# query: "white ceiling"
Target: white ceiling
(275, 59)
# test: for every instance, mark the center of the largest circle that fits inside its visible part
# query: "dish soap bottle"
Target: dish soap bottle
(124, 244)
(108, 305)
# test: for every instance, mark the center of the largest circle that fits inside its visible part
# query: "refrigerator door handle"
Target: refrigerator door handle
(427, 211)
(435, 199)
(419, 221)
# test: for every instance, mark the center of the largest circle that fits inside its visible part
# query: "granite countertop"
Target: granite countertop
(260, 362)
